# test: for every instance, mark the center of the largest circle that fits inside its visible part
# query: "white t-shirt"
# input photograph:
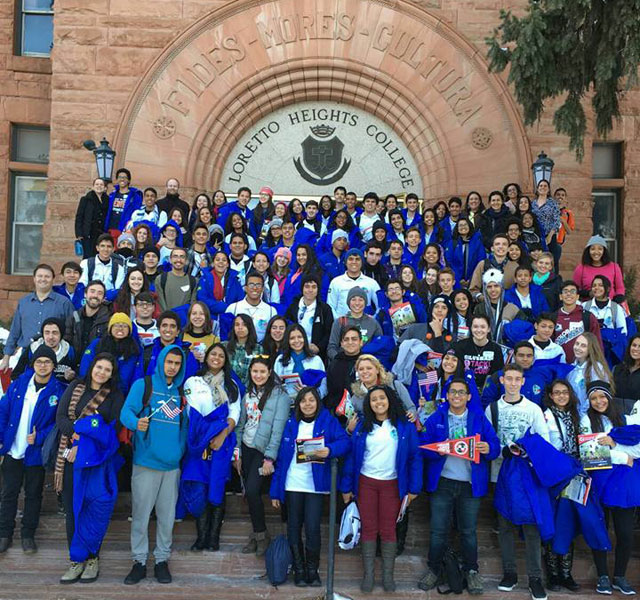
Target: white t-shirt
(306, 315)
(300, 475)
(19, 446)
(380, 452)
(259, 314)
(254, 415)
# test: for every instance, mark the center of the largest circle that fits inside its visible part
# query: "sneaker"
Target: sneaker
(509, 581)
(29, 545)
(604, 585)
(475, 583)
(161, 572)
(72, 574)
(138, 573)
(91, 571)
(537, 589)
(622, 585)
(429, 581)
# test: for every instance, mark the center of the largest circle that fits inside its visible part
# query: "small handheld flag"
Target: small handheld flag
(169, 408)
(466, 448)
(425, 381)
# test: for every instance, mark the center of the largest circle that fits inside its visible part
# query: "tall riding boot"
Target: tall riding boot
(389, 550)
(201, 531)
(298, 565)
(552, 568)
(312, 564)
(263, 539)
(401, 532)
(217, 518)
(566, 579)
(368, 566)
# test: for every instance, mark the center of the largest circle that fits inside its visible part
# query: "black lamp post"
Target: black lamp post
(104, 155)
(542, 169)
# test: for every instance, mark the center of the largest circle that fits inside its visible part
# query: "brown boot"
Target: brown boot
(263, 539)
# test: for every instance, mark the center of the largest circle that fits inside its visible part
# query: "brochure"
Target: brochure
(402, 316)
(345, 408)
(403, 508)
(306, 447)
(578, 489)
(291, 383)
(592, 454)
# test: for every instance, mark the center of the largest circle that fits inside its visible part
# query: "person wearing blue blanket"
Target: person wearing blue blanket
(27, 415)
(571, 517)
(456, 483)
(86, 464)
(512, 416)
(302, 483)
(159, 440)
(213, 408)
(618, 488)
(383, 468)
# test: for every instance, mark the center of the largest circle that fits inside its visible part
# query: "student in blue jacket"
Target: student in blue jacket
(465, 250)
(219, 287)
(383, 468)
(456, 483)
(27, 414)
(527, 296)
(303, 485)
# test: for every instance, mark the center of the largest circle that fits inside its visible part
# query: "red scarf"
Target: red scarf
(218, 288)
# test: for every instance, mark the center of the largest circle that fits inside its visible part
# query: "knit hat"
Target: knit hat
(119, 317)
(126, 237)
(148, 249)
(492, 276)
(43, 351)
(274, 223)
(354, 252)
(339, 233)
(215, 228)
(599, 386)
(282, 251)
(266, 190)
(597, 239)
(355, 292)
(53, 321)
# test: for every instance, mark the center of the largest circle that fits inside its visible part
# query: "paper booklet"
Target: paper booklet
(306, 447)
(578, 489)
(592, 454)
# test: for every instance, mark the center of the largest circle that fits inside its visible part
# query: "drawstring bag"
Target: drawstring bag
(349, 527)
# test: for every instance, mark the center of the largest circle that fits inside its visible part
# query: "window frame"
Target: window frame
(616, 193)
(21, 13)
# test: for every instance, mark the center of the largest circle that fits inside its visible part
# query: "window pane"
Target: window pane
(30, 200)
(30, 145)
(37, 34)
(27, 242)
(607, 161)
(605, 219)
(41, 5)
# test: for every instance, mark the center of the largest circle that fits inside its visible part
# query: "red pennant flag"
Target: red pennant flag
(466, 448)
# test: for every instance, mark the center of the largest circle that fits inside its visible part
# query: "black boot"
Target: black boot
(401, 533)
(313, 562)
(201, 530)
(217, 518)
(552, 568)
(566, 580)
(298, 565)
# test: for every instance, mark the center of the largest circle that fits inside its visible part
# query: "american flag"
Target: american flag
(426, 380)
(170, 408)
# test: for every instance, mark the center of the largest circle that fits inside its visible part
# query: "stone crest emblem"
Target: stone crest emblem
(322, 162)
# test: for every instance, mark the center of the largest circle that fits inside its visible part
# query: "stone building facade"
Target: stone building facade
(183, 88)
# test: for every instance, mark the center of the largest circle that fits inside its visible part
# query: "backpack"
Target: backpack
(49, 451)
(115, 267)
(278, 560)
(452, 574)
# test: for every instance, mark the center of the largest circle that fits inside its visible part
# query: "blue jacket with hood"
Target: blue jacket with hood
(43, 417)
(437, 430)
(162, 446)
(191, 367)
(233, 292)
(133, 203)
(335, 438)
(408, 460)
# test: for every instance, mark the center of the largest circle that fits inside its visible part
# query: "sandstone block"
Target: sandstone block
(141, 38)
(123, 61)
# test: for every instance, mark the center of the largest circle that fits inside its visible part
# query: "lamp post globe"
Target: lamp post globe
(542, 169)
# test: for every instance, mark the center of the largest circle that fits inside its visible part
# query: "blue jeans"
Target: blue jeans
(450, 494)
(304, 509)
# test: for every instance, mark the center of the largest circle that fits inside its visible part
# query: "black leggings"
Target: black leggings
(252, 461)
(623, 522)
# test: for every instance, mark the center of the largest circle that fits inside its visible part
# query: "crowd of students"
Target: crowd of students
(201, 344)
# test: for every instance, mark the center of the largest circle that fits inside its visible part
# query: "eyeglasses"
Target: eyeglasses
(457, 393)
(569, 291)
(255, 285)
(560, 392)
(145, 304)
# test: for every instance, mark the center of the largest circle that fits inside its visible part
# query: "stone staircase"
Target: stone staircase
(228, 574)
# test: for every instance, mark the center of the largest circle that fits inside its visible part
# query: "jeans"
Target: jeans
(252, 460)
(623, 523)
(14, 474)
(448, 495)
(556, 250)
(379, 504)
(533, 548)
(304, 509)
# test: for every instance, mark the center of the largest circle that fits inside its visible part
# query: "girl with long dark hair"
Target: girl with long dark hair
(242, 345)
(627, 374)
(134, 283)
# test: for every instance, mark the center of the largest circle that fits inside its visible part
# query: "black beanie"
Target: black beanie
(53, 321)
(43, 351)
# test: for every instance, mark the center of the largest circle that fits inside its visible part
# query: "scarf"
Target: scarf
(569, 443)
(295, 275)
(218, 286)
(298, 362)
(90, 409)
(494, 263)
(216, 383)
(540, 279)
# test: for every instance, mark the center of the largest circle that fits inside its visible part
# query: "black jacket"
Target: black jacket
(168, 203)
(90, 215)
(551, 289)
(377, 273)
(322, 322)
(73, 331)
(340, 376)
(627, 384)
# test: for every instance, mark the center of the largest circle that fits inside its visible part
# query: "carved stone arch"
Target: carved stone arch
(389, 57)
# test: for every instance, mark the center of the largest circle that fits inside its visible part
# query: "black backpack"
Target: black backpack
(278, 560)
(452, 574)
